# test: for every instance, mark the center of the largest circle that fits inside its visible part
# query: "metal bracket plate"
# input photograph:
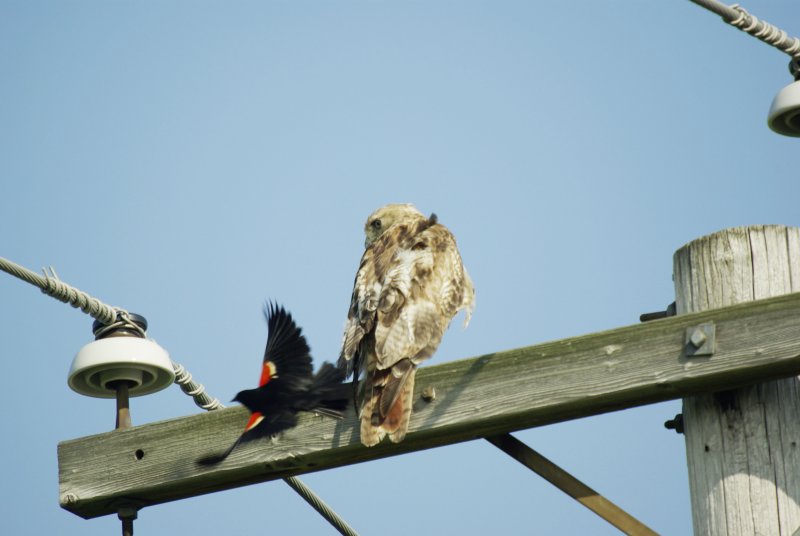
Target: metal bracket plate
(700, 340)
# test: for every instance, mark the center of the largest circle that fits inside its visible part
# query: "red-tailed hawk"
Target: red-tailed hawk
(408, 287)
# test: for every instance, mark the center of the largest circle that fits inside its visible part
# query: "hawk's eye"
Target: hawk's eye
(376, 224)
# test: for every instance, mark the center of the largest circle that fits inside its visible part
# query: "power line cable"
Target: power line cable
(737, 16)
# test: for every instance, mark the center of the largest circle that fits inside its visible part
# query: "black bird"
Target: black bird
(287, 384)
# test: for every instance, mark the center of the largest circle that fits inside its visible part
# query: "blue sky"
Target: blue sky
(188, 160)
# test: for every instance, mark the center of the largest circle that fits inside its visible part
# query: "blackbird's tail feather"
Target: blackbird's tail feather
(327, 377)
(331, 394)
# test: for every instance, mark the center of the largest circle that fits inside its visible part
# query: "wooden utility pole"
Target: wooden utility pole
(742, 445)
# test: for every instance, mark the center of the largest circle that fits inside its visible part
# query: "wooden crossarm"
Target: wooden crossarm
(483, 396)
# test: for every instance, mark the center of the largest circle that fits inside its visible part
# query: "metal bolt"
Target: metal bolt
(647, 317)
(698, 338)
(675, 423)
(127, 514)
(429, 394)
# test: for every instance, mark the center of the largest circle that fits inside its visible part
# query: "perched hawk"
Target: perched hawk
(408, 287)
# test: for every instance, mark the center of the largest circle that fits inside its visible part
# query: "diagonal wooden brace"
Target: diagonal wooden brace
(570, 485)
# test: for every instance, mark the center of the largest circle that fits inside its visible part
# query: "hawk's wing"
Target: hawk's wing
(423, 289)
(409, 285)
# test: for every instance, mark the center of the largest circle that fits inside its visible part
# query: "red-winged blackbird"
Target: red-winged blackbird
(287, 384)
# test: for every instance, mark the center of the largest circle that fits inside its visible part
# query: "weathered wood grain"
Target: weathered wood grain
(477, 397)
(742, 446)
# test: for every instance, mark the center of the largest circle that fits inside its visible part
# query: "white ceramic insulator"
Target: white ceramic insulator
(141, 362)
(784, 114)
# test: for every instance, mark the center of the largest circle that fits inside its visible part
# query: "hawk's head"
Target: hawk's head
(387, 216)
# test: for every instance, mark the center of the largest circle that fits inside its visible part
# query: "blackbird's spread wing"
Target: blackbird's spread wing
(287, 357)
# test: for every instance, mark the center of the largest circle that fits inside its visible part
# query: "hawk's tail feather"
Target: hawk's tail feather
(394, 380)
(387, 404)
(399, 417)
(371, 434)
